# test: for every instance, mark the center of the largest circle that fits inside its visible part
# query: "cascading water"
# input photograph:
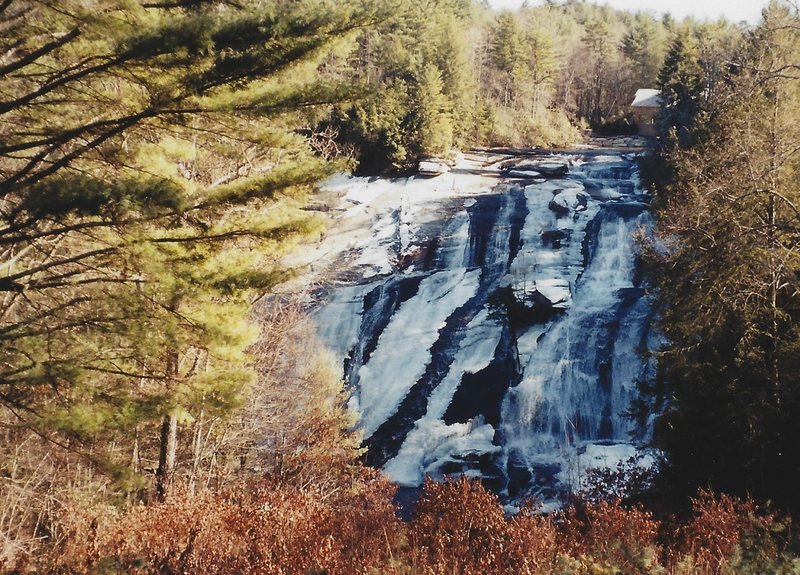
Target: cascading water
(580, 375)
(506, 341)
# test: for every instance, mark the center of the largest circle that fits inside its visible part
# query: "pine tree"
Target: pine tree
(509, 55)
(542, 66)
(729, 282)
(642, 46)
(150, 179)
(435, 124)
(598, 50)
(681, 83)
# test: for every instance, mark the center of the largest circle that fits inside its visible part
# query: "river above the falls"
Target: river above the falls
(489, 321)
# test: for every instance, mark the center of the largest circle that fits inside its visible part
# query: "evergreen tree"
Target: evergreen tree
(729, 281)
(454, 59)
(642, 46)
(400, 59)
(681, 83)
(597, 44)
(541, 67)
(509, 56)
(435, 125)
(149, 180)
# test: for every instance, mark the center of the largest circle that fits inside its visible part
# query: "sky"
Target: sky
(734, 10)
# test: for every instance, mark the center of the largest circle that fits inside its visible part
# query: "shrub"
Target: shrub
(459, 527)
(279, 528)
(255, 529)
(611, 538)
(622, 125)
(517, 128)
(727, 535)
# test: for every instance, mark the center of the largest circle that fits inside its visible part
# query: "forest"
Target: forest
(162, 412)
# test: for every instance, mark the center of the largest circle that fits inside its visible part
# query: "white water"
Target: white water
(404, 346)
(561, 404)
(575, 373)
(432, 442)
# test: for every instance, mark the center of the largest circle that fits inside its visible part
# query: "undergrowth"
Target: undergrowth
(264, 527)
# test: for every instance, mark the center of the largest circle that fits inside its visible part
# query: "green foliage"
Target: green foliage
(618, 125)
(643, 45)
(728, 275)
(422, 93)
(72, 195)
(508, 78)
(379, 127)
(151, 177)
(435, 126)
(681, 83)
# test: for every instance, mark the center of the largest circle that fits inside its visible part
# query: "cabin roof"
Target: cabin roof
(646, 98)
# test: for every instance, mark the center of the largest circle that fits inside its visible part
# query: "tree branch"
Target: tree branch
(36, 54)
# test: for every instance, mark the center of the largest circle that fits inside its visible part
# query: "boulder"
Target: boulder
(553, 238)
(551, 294)
(524, 165)
(524, 174)
(604, 194)
(569, 200)
(552, 169)
(432, 168)
(554, 292)
(627, 209)
(544, 168)
(568, 185)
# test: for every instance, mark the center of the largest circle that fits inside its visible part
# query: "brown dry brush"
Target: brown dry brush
(39, 482)
(274, 490)
(291, 426)
(457, 527)
(606, 535)
(728, 535)
(257, 529)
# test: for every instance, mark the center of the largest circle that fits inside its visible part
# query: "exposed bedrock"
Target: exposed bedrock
(507, 343)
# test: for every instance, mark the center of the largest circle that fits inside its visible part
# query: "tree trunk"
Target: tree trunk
(166, 454)
(169, 436)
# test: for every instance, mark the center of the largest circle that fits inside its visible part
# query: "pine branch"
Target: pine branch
(36, 54)
(71, 74)
(53, 232)
(45, 314)
(11, 280)
(90, 321)
(21, 179)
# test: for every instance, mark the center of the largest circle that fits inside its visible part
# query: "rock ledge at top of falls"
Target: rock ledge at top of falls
(537, 168)
(433, 167)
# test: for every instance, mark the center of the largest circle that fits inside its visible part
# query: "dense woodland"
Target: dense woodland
(159, 413)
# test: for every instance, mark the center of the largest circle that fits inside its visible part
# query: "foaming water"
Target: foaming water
(513, 350)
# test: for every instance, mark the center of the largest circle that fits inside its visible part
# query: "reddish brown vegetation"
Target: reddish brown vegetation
(609, 536)
(255, 529)
(457, 527)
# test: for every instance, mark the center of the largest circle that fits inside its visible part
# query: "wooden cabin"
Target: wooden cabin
(645, 106)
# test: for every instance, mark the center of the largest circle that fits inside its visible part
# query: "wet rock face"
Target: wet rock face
(512, 346)
(537, 168)
(567, 202)
(553, 238)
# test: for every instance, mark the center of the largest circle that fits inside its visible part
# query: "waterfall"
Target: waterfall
(580, 375)
(509, 346)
